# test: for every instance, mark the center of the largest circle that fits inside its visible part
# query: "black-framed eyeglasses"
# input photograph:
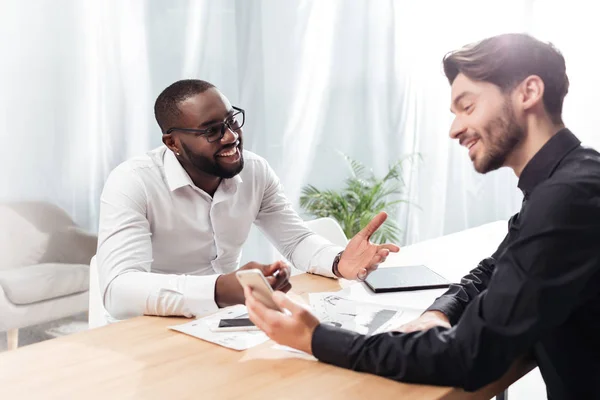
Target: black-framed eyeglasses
(215, 132)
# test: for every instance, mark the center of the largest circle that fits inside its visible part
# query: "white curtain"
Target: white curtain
(78, 81)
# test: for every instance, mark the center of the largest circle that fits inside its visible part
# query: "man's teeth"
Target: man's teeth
(471, 144)
(229, 153)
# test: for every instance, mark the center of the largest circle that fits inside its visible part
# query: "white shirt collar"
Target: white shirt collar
(177, 177)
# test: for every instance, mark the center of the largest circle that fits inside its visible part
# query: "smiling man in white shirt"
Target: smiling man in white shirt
(173, 221)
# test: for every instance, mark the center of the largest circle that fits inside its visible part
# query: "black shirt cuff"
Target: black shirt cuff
(332, 345)
(449, 307)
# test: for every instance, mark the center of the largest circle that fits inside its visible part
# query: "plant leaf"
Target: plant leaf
(363, 196)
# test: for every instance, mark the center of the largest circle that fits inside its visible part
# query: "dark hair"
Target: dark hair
(505, 60)
(166, 108)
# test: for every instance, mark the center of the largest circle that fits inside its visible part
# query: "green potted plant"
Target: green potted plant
(363, 197)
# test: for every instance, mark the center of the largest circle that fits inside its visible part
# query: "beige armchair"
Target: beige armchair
(44, 266)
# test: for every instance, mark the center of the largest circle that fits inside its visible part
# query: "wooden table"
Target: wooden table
(141, 358)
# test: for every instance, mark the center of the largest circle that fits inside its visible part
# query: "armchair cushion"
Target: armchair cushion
(21, 243)
(31, 284)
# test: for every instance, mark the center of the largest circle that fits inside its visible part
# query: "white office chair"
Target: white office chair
(327, 228)
(330, 229)
(96, 312)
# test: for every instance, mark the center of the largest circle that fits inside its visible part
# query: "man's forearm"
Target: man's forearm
(316, 255)
(438, 314)
(228, 291)
(143, 293)
(398, 356)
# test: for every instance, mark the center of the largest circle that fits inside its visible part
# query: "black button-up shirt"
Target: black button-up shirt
(538, 294)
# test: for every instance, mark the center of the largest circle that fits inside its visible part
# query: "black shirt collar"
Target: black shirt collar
(545, 161)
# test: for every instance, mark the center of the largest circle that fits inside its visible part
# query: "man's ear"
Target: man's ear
(170, 142)
(531, 92)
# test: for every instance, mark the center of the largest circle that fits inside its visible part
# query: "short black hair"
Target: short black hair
(166, 107)
(505, 60)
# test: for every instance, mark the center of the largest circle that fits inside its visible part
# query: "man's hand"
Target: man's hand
(293, 330)
(426, 321)
(361, 257)
(228, 290)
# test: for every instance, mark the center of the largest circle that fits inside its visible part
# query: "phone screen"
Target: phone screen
(228, 323)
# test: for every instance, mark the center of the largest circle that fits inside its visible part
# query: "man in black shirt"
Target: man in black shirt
(539, 293)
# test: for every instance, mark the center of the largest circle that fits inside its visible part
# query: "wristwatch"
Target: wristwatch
(336, 261)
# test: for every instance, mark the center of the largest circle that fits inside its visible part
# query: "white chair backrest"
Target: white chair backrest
(330, 229)
(96, 311)
(41, 233)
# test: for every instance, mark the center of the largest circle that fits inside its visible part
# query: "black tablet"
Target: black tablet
(397, 279)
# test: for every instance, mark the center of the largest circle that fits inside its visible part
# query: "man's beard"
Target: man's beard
(502, 136)
(211, 165)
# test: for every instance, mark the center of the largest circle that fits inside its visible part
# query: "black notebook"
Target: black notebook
(397, 279)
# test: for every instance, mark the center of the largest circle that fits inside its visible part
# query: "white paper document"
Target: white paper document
(357, 316)
(201, 328)
(330, 308)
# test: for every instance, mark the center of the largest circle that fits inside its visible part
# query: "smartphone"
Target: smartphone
(255, 280)
(235, 324)
(229, 323)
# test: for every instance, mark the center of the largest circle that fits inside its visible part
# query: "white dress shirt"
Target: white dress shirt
(163, 242)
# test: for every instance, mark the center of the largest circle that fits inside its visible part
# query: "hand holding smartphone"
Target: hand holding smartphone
(261, 289)
(255, 280)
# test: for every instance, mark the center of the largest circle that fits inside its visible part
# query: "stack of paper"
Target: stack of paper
(201, 328)
(331, 308)
(357, 316)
